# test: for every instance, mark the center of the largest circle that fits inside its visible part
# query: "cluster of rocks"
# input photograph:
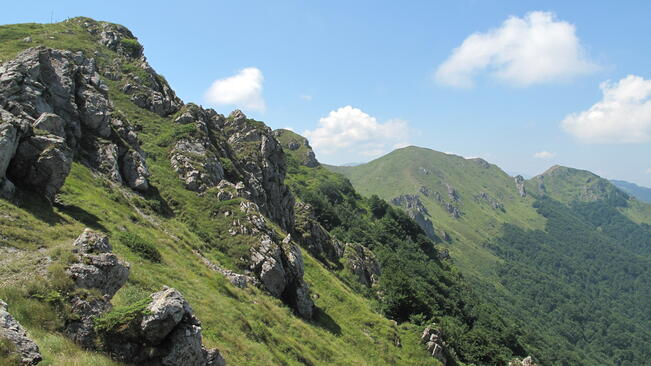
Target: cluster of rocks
(257, 161)
(452, 193)
(450, 207)
(519, 184)
(527, 361)
(54, 108)
(485, 197)
(146, 88)
(167, 333)
(11, 331)
(361, 262)
(415, 209)
(432, 337)
(277, 265)
(313, 236)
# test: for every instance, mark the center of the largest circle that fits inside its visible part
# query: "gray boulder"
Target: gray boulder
(12, 331)
(98, 268)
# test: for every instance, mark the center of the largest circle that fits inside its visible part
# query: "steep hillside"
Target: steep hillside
(91, 137)
(639, 192)
(565, 254)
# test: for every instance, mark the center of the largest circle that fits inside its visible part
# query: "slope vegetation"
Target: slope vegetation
(565, 254)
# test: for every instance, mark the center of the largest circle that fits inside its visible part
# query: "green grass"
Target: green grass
(247, 325)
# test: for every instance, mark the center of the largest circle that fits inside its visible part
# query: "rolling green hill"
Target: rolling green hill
(565, 254)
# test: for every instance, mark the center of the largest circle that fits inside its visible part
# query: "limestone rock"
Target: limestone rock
(432, 336)
(98, 268)
(415, 209)
(314, 237)
(12, 331)
(55, 107)
(519, 184)
(362, 262)
(168, 334)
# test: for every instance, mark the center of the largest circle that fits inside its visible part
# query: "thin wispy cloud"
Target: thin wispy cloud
(537, 48)
(242, 90)
(306, 97)
(623, 115)
(349, 134)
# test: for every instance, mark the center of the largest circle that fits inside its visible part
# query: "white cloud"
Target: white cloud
(348, 134)
(544, 155)
(243, 90)
(622, 116)
(648, 171)
(306, 97)
(534, 49)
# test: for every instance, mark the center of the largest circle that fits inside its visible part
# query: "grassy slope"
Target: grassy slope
(468, 177)
(248, 326)
(400, 172)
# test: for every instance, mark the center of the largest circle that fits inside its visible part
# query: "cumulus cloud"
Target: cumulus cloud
(348, 134)
(622, 116)
(534, 49)
(243, 90)
(544, 155)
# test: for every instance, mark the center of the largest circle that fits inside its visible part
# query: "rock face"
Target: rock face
(415, 209)
(314, 237)
(276, 264)
(263, 166)
(519, 184)
(13, 332)
(432, 337)
(257, 165)
(166, 334)
(54, 108)
(362, 262)
(147, 89)
(96, 269)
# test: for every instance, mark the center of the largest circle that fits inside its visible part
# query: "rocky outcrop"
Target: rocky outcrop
(452, 193)
(165, 333)
(276, 264)
(450, 207)
(147, 89)
(196, 158)
(519, 184)
(415, 209)
(485, 197)
(96, 268)
(256, 162)
(361, 262)
(314, 237)
(54, 108)
(15, 334)
(527, 361)
(263, 166)
(432, 337)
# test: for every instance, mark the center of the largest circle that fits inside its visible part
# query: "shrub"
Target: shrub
(120, 319)
(140, 246)
(8, 354)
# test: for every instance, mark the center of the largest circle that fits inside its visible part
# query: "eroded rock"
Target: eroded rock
(362, 263)
(15, 334)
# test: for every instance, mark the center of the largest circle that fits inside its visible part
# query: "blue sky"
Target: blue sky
(360, 78)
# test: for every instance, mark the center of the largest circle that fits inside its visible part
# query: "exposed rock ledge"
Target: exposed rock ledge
(16, 335)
